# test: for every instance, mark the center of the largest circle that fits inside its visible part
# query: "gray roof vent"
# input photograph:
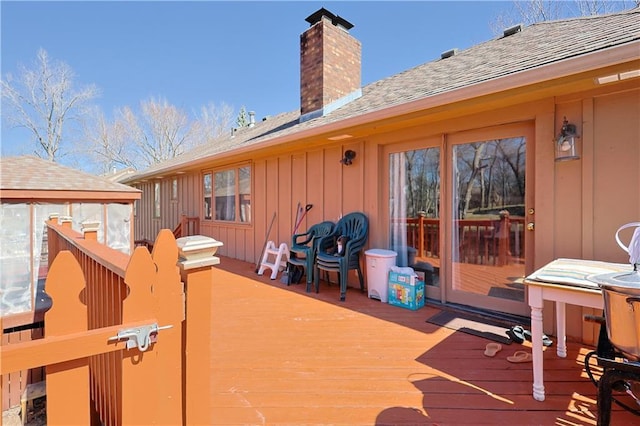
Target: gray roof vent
(448, 53)
(512, 30)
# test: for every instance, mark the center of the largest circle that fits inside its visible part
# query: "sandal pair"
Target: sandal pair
(518, 334)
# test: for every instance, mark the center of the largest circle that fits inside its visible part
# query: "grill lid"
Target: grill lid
(628, 282)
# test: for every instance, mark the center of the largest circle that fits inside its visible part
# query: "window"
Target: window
(207, 195)
(230, 192)
(135, 205)
(225, 184)
(244, 178)
(156, 199)
(174, 189)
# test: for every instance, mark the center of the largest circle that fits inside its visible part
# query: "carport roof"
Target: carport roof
(28, 173)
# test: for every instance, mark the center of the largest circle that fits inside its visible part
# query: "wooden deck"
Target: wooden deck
(282, 356)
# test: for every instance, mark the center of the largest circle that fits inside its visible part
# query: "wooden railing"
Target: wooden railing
(481, 241)
(187, 226)
(116, 337)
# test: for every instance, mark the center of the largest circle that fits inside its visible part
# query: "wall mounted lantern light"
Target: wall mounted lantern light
(566, 148)
(349, 155)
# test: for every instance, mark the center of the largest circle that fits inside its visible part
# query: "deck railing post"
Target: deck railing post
(169, 293)
(504, 249)
(65, 221)
(196, 266)
(90, 230)
(184, 225)
(65, 282)
(140, 375)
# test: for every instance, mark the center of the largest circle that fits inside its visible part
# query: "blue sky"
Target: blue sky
(239, 53)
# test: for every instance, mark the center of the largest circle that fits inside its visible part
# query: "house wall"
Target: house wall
(593, 197)
(187, 202)
(578, 204)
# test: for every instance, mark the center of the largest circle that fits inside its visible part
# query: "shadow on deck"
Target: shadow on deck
(284, 356)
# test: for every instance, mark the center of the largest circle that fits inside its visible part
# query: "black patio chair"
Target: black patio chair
(354, 228)
(304, 247)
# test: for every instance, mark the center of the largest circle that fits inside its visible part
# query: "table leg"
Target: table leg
(561, 326)
(536, 303)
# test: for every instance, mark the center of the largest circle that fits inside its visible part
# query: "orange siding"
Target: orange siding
(271, 182)
(261, 217)
(332, 183)
(299, 190)
(286, 205)
(352, 193)
(314, 187)
(617, 194)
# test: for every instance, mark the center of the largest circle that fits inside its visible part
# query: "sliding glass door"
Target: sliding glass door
(414, 211)
(459, 210)
(488, 194)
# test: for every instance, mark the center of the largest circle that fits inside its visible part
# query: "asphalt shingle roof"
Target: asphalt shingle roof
(533, 47)
(36, 174)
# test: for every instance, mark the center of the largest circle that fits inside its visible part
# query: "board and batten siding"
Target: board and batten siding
(279, 183)
(146, 225)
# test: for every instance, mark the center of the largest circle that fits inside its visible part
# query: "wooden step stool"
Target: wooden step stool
(281, 256)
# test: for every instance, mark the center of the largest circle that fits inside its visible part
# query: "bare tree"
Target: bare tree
(107, 144)
(531, 11)
(214, 121)
(475, 166)
(43, 100)
(160, 132)
(157, 132)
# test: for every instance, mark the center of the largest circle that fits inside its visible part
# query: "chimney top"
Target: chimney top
(336, 20)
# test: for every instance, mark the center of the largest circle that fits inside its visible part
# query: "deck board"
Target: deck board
(287, 357)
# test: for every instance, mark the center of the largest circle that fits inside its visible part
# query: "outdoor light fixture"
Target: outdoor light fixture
(348, 157)
(566, 148)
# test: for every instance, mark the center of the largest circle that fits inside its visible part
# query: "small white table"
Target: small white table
(562, 281)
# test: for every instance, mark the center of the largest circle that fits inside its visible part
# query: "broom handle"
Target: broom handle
(299, 221)
(266, 240)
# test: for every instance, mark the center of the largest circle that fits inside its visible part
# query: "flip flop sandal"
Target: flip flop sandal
(520, 356)
(546, 341)
(516, 333)
(492, 349)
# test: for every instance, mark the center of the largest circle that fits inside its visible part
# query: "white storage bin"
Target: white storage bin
(379, 263)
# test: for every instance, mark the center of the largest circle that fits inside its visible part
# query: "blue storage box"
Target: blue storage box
(405, 290)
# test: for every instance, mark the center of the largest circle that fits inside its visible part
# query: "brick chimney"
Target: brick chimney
(330, 65)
